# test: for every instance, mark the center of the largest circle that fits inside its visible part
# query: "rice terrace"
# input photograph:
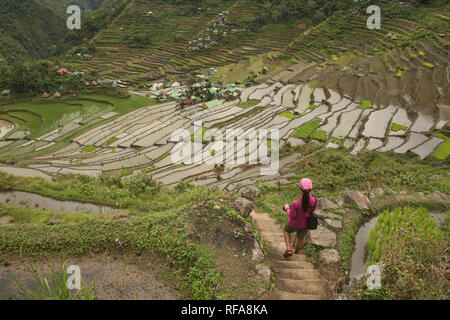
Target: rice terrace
(154, 153)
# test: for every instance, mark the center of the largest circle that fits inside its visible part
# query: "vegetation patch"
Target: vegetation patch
(306, 130)
(443, 151)
(414, 252)
(441, 136)
(319, 135)
(111, 141)
(428, 65)
(398, 127)
(334, 171)
(88, 148)
(200, 239)
(248, 104)
(366, 104)
(287, 114)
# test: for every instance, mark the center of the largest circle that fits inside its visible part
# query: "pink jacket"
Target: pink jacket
(297, 218)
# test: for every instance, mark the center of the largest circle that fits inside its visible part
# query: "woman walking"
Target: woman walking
(298, 214)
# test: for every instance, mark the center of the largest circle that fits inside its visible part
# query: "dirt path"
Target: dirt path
(296, 279)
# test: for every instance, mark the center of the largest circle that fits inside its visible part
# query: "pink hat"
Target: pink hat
(306, 184)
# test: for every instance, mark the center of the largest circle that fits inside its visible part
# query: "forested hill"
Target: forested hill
(28, 30)
(60, 6)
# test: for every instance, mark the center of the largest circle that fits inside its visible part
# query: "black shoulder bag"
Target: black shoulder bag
(312, 219)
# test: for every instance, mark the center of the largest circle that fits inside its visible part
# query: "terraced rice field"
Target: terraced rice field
(366, 64)
(141, 139)
(169, 34)
(345, 86)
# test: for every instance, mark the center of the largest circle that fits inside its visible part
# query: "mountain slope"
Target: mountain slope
(60, 6)
(29, 30)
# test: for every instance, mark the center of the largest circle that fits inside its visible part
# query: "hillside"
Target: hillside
(60, 6)
(96, 165)
(29, 30)
(140, 48)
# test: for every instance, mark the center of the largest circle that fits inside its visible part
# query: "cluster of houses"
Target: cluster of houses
(5, 93)
(199, 90)
(218, 29)
(78, 53)
(81, 77)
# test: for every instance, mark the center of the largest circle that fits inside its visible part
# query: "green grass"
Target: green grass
(248, 104)
(412, 248)
(441, 136)
(366, 104)
(319, 135)
(56, 288)
(312, 107)
(399, 73)
(398, 127)
(428, 65)
(443, 151)
(332, 171)
(36, 216)
(88, 148)
(288, 115)
(336, 141)
(111, 141)
(306, 130)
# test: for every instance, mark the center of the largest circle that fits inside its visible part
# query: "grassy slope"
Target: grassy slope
(413, 251)
(60, 6)
(193, 229)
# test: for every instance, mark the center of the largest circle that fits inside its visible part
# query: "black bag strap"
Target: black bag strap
(315, 205)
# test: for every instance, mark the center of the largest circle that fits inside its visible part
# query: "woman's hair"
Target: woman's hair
(305, 200)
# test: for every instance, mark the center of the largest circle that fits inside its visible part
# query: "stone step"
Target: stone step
(262, 216)
(298, 274)
(271, 233)
(280, 264)
(285, 295)
(266, 234)
(279, 246)
(269, 228)
(310, 287)
(258, 216)
(278, 256)
(268, 223)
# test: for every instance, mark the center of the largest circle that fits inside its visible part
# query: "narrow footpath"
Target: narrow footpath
(296, 278)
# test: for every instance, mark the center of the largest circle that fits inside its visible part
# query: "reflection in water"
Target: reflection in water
(359, 255)
(35, 201)
(5, 127)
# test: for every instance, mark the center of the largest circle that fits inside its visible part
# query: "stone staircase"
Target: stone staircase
(296, 278)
